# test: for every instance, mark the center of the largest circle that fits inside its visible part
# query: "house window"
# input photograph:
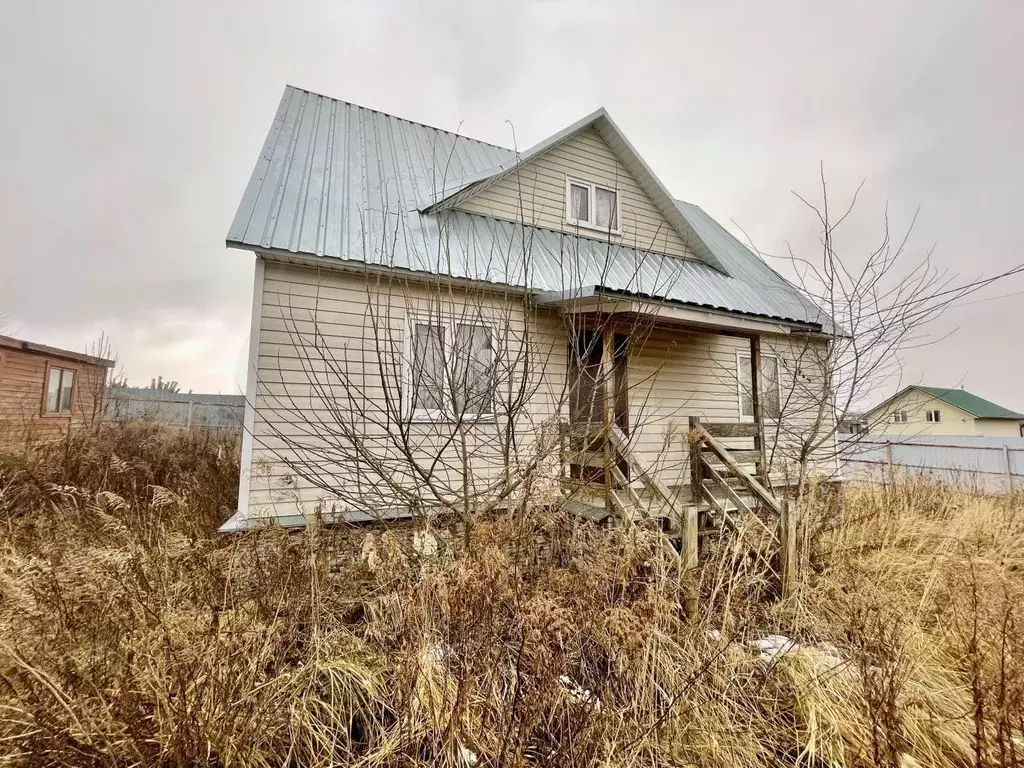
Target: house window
(451, 375)
(591, 205)
(933, 416)
(770, 390)
(60, 385)
(899, 417)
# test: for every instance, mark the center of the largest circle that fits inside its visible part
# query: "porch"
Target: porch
(721, 473)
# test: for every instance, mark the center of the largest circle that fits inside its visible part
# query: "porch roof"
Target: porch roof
(593, 300)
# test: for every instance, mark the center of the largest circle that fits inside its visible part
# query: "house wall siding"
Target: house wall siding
(672, 375)
(997, 428)
(915, 403)
(22, 385)
(535, 194)
(360, 323)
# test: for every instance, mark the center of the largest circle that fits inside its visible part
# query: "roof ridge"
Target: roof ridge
(399, 117)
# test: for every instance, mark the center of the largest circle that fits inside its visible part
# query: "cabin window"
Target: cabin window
(591, 205)
(933, 416)
(451, 372)
(60, 385)
(899, 417)
(770, 389)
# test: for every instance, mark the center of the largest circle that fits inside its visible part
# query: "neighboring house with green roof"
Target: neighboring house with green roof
(919, 410)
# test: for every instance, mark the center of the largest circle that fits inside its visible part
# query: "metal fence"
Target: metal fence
(175, 409)
(989, 463)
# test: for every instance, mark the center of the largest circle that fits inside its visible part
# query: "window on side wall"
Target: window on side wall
(899, 417)
(451, 370)
(770, 389)
(60, 387)
(592, 206)
(933, 416)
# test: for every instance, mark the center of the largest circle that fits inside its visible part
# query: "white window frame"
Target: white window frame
(449, 323)
(592, 207)
(740, 357)
(933, 416)
(899, 416)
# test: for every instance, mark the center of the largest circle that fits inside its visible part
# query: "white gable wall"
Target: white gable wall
(535, 195)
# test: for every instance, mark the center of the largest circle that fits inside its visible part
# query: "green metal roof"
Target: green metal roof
(978, 407)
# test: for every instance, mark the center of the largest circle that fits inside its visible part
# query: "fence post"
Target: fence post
(188, 417)
(888, 460)
(787, 550)
(1009, 469)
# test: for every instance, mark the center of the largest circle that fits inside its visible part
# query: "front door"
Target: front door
(587, 390)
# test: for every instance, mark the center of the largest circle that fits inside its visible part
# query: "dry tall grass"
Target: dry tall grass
(131, 634)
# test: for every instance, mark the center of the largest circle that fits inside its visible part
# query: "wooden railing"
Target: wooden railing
(706, 479)
(711, 488)
(685, 516)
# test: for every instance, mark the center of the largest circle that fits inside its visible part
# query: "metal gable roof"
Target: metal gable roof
(976, 406)
(339, 181)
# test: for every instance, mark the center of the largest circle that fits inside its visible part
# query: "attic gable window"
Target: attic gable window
(592, 206)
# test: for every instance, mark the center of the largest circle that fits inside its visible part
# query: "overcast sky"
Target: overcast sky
(130, 130)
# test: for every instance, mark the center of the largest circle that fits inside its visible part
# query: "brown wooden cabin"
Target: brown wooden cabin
(46, 392)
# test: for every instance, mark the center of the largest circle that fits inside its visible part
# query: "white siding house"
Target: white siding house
(430, 312)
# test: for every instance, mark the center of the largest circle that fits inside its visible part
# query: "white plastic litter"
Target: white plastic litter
(578, 694)
(467, 756)
(773, 646)
(424, 543)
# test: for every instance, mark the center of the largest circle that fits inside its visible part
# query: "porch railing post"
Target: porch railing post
(608, 408)
(690, 522)
(696, 473)
(755, 399)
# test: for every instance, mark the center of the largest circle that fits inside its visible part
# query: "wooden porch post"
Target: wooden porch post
(755, 399)
(696, 476)
(690, 523)
(608, 408)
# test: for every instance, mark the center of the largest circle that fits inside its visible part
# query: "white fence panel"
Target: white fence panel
(990, 463)
(175, 409)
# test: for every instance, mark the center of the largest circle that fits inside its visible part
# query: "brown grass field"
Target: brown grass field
(132, 634)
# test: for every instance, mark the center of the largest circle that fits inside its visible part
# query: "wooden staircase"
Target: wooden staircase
(727, 485)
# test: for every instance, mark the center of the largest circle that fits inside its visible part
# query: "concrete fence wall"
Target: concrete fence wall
(990, 463)
(175, 409)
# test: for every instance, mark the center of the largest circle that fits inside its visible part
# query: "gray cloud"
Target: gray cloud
(131, 130)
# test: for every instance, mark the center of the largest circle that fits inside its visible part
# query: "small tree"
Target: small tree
(874, 307)
(95, 388)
